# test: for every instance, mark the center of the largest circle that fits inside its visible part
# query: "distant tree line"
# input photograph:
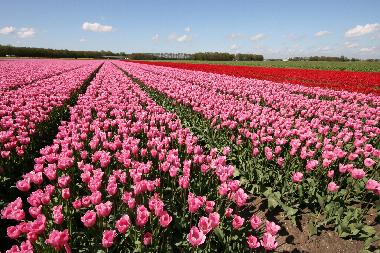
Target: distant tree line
(216, 56)
(8, 50)
(212, 56)
(52, 53)
(249, 57)
(206, 56)
(143, 56)
(323, 58)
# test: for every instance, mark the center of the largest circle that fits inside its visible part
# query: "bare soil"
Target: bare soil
(296, 238)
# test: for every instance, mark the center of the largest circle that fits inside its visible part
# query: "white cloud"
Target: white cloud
(82, 40)
(156, 37)
(257, 37)
(351, 45)
(297, 37)
(323, 49)
(188, 29)
(321, 33)
(7, 30)
(361, 30)
(234, 47)
(367, 49)
(26, 32)
(184, 38)
(96, 27)
(235, 36)
(172, 36)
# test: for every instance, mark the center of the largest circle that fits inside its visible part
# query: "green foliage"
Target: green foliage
(261, 176)
(367, 66)
(322, 58)
(52, 53)
(142, 56)
(14, 167)
(217, 56)
(249, 57)
(212, 56)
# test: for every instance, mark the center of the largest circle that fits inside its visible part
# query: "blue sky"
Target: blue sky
(276, 29)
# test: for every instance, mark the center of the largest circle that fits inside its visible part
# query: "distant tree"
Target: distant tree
(51, 53)
(212, 56)
(248, 57)
(320, 58)
(142, 56)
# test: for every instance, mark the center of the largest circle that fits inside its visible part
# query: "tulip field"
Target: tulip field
(123, 156)
(363, 82)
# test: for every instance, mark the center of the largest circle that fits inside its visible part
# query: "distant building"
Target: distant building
(113, 57)
(177, 56)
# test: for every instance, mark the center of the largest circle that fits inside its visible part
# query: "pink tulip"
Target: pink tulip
(332, 187)
(204, 225)
(57, 214)
(64, 181)
(272, 228)
(372, 185)
(23, 185)
(13, 232)
(89, 219)
(196, 237)
(58, 239)
(330, 173)
(35, 211)
(214, 219)
(104, 209)
(252, 241)
(269, 241)
(165, 219)
(237, 222)
(297, 177)
(311, 165)
(226, 151)
(228, 212)
(108, 238)
(123, 224)
(66, 193)
(368, 162)
(142, 216)
(147, 238)
(255, 222)
(357, 174)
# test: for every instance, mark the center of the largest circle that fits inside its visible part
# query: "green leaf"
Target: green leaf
(236, 172)
(354, 230)
(291, 211)
(321, 200)
(267, 192)
(344, 234)
(277, 195)
(369, 230)
(137, 247)
(219, 233)
(313, 230)
(272, 202)
(369, 241)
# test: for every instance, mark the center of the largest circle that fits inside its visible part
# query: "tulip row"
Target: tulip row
(23, 109)
(16, 73)
(123, 174)
(333, 142)
(363, 82)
